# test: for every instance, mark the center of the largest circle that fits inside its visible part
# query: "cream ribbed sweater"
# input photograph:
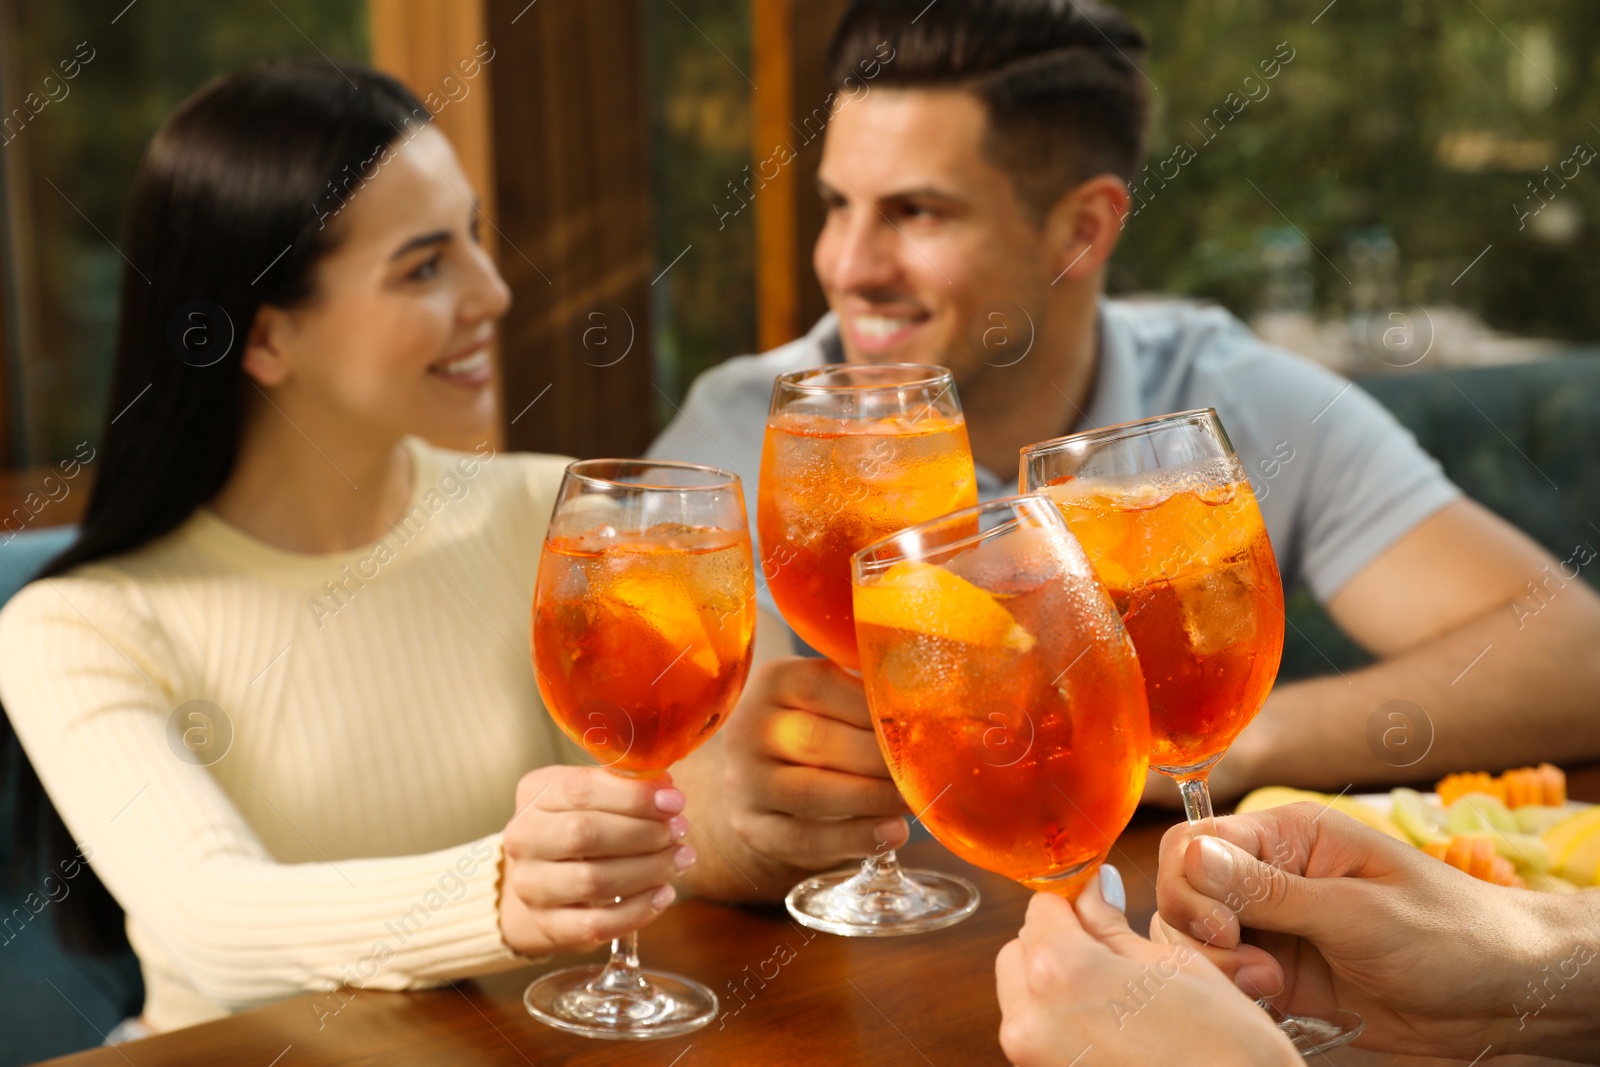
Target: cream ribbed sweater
(382, 708)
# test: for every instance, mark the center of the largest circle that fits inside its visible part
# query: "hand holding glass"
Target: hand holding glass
(642, 625)
(1166, 513)
(853, 453)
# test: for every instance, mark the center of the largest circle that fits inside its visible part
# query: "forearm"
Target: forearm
(246, 933)
(1558, 1004)
(1501, 690)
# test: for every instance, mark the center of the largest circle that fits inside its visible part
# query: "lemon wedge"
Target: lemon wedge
(1276, 796)
(927, 599)
(1575, 846)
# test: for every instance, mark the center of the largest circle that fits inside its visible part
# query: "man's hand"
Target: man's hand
(804, 781)
(1434, 960)
(582, 837)
(1078, 978)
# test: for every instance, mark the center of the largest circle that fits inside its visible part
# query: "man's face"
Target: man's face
(925, 239)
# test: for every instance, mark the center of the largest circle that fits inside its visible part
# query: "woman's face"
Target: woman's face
(395, 338)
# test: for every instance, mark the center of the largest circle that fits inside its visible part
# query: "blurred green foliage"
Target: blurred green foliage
(88, 145)
(1423, 119)
(698, 57)
(1417, 121)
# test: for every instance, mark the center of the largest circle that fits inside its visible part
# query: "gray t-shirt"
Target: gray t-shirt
(1339, 480)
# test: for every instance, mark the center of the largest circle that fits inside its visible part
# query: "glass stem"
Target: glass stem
(879, 873)
(881, 865)
(1197, 806)
(622, 976)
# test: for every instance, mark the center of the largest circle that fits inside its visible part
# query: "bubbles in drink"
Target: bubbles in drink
(644, 636)
(1011, 709)
(864, 457)
(919, 665)
(832, 486)
(1193, 574)
(1017, 563)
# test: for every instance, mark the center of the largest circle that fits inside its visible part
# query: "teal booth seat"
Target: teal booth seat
(1522, 439)
(52, 1002)
(23, 556)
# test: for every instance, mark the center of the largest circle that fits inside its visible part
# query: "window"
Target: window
(82, 88)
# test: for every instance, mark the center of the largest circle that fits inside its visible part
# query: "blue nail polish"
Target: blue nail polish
(1111, 888)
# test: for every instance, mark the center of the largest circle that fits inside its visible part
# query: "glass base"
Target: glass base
(874, 901)
(660, 1005)
(1318, 1033)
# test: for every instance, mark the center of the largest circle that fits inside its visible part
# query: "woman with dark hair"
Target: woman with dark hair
(278, 688)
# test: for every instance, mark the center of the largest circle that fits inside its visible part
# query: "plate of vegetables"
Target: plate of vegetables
(1517, 829)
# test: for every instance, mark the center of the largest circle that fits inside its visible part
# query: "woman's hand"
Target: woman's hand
(582, 837)
(1434, 960)
(1077, 978)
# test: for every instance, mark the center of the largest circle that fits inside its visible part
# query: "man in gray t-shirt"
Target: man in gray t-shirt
(979, 162)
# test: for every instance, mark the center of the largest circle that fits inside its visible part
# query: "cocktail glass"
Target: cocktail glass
(853, 453)
(643, 618)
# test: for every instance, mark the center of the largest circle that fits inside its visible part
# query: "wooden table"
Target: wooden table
(789, 995)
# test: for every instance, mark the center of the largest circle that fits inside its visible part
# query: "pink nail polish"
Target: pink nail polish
(670, 800)
(662, 897)
(683, 858)
(678, 827)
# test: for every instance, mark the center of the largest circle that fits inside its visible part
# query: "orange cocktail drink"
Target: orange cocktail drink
(1194, 576)
(854, 452)
(1004, 691)
(830, 486)
(643, 616)
(1167, 516)
(642, 643)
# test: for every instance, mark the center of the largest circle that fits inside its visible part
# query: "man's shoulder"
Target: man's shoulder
(743, 380)
(722, 419)
(1175, 331)
(1184, 348)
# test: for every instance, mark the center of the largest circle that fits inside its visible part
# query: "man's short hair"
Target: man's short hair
(1059, 79)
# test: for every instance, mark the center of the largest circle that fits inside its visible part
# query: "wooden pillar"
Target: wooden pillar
(574, 198)
(425, 43)
(438, 49)
(5, 355)
(789, 43)
(21, 438)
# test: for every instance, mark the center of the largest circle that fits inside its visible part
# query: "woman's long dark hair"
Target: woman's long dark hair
(235, 201)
